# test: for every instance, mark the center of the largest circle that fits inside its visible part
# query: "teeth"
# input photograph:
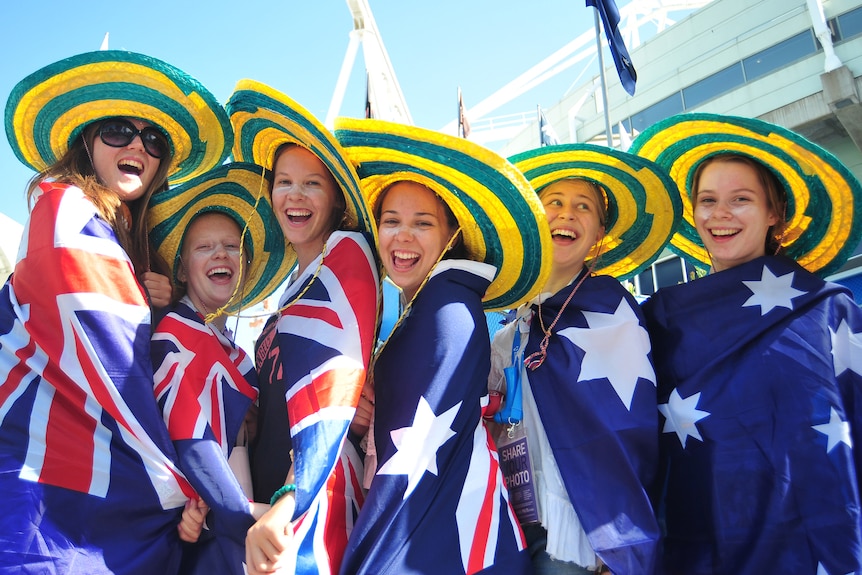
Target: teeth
(296, 212)
(723, 232)
(405, 255)
(215, 271)
(132, 163)
(566, 233)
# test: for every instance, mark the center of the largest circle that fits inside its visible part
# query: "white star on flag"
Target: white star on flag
(611, 344)
(836, 430)
(846, 349)
(771, 291)
(681, 416)
(417, 445)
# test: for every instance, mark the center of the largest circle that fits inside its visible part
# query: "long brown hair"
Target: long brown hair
(76, 168)
(776, 195)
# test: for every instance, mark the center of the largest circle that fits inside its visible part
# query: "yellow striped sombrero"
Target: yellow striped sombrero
(502, 220)
(264, 119)
(48, 109)
(644, 207)
(824, 199)
(231, 189)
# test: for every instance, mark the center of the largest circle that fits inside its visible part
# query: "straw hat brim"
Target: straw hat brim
(502, 221)
(643, 204)
(824, 199)
(236, 191)
(265, 119)
(48, 109)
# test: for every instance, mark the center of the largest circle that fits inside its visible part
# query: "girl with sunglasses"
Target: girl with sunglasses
(87, 469)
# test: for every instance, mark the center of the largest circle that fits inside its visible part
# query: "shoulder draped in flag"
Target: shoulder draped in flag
(759, 369)
(326, 338)
(438, 503)
(547, 135)
(204, 384)
(87, 468)
(596, 395)
(611, 21)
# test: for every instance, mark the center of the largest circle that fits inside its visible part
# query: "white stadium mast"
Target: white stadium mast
(384, 93)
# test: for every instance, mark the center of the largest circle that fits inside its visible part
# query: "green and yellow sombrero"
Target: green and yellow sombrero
(264, 119)
(48, 109)
(502, 220)
(644, 207)
(824, 199)
(231, 189)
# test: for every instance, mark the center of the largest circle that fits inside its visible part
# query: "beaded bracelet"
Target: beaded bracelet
(283, 490)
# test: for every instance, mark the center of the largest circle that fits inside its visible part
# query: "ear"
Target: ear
(600, 234)
(182, 276)
(772, 219)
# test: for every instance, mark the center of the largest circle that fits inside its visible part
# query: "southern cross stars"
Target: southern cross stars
(771, 291)
(846, 349)
(417, 445)
(681, 416)
(605, 336)
(836, 430)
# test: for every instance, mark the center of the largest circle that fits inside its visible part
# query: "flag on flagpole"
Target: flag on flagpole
(611, 20)
(463, 123)
(547, 135)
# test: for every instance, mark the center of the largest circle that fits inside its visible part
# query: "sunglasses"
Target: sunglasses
(119, 133)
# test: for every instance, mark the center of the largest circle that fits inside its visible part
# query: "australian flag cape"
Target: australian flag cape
(87, 472)
(326, 335)
(596, 395)
(204, 384)
(759, 375)
(438, 503)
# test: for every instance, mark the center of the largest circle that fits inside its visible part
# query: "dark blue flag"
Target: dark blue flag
(759, 370)
(611, 20)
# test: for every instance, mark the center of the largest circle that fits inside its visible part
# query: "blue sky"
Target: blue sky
(297, 46)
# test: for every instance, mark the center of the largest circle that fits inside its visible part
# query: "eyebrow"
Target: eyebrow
(396, 212)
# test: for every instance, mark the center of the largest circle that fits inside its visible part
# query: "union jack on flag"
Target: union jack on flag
(82, 444)
(326, 337)
(204, 384)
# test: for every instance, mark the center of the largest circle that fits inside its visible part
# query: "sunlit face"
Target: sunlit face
(731, 213)
(210, 260)
(129, 170)
(304, 195)
(572, 209)
(413, 232)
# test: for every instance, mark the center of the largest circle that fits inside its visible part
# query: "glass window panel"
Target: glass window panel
(712, 86)
(669, 272)
(850, 24)
(645, 285)
(659, 111)
(779, 55)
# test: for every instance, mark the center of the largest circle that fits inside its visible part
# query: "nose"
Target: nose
(137, 142)
(404, 233)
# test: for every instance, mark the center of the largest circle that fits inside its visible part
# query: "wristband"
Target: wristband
(283, 490)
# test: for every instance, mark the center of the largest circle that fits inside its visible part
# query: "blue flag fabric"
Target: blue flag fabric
(759, 375)
(596, 395)
(438, 503)
(87, 472)
(611, 21)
